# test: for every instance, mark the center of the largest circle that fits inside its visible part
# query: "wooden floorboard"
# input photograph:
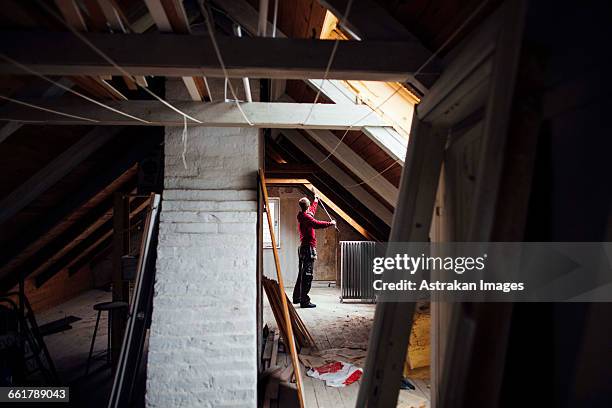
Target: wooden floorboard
(309, 392)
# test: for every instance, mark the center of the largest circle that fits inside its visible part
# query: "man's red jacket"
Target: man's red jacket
(307, 224)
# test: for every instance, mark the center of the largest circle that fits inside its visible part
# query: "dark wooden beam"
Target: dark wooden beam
(100, 236)
(86, 248)
(280, 169)
(76, 233)
(95, 257)
(118, 171)
(62, 53)
(59, 167)
(368, 20)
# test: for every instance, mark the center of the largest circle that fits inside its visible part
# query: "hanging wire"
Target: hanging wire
(417, 72)
(112, 62)
(330, 61)
(211, 32)
(375, 176)
(68, 89)
(30, 105)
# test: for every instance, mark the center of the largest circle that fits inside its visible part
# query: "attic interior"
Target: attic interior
(153, 154)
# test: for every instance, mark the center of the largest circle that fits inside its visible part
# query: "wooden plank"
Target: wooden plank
(490, 323)
(292, 349)
(267, 353)
(117, 22)
(100, 236)
(349, 395)
(169, 16)
(193, 55)
(274, 355)
(54, 171)
(221, 114)
(73, 17)
(411, 222)
(106, 182)
(70, 254)
(356, 164)
(309, 391)
(96, 15)
(71, 13)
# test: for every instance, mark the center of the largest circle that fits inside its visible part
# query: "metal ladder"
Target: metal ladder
(37, 359)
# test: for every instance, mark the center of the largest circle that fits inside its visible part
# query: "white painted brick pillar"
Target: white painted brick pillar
(203, 347)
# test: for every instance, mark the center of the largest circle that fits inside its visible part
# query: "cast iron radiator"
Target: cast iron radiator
(356, 275)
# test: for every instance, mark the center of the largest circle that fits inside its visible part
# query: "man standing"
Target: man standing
(307, 252)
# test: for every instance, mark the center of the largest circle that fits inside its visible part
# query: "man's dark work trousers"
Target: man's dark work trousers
(307, 256)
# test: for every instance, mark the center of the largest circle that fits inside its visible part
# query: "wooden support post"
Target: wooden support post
(411, 222)
(121, 211)
(281, 287)
(499, 213)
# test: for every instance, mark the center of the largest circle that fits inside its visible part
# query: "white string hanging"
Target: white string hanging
(68, 89)
(329, 62)
(417, 72)
(113, 63)
(30, 105)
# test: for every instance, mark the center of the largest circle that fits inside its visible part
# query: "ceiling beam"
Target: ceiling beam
(355, 164)
(331, 187)
(308, 184)
(358, 192)
(107, 178)
(59, 167)
(72, 16)
(98, 236)
(222, 114)
(387, 138)
(280, 169)
(61, 53)
(170, 16)
(367, 20)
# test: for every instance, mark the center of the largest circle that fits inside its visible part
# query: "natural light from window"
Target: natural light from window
(398, 110)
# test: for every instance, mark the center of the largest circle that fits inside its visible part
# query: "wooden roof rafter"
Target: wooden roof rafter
(105, 178)
(299, 166)
(97, 235)
(193, 55)
(96, 85)
(170, 16)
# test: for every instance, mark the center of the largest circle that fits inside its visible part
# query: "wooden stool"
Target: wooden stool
(104, 307)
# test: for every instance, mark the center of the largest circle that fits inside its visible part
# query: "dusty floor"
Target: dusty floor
(331, 323)
(69, 349)
(336, 325)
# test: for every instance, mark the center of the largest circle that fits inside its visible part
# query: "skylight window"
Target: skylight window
(398, 110)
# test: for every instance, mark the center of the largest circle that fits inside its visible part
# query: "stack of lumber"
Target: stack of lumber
(300, 332)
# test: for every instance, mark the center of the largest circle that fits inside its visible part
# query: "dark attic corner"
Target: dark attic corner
(305, 203)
